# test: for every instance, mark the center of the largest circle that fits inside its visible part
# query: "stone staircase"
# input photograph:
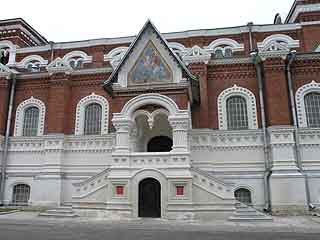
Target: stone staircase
(84, 189)
(60, 212)
(212, 184)
(244, 213)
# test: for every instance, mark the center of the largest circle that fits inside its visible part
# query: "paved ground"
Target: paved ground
(28, 226)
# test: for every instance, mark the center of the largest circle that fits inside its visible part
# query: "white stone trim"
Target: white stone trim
(300, 94)
(23, 63)
(31, 102)
(12, 51)
(59, 65)
(251, 106)
(150, 116)
(84, 56)
(196, 55)
(272, 41)
(234, 45)
(150, 98)
(80, 113)
(115, 56)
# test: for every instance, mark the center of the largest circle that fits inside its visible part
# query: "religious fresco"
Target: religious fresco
(150, 67)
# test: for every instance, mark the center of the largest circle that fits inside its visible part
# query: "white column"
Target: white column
(287, 184)
(123, 127)
(180, 127)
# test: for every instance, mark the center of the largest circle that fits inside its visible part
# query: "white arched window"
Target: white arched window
(32, 63)
(237, 114)
(92, 119)
(115, 56)
(308, 105)
(21, 194)
(7, 53)
(237, 109)
(30, 121)
(30, 117)
(76, 59)
(243, 195)
(278, 42)
(224, 47)
(92, 115)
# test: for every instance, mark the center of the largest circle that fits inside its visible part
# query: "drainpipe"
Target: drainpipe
(6, 140)
(250, 24)
(257, 62)
(290, 59)
(52, 51)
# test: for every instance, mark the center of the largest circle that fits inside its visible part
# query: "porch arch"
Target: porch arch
(124, 122)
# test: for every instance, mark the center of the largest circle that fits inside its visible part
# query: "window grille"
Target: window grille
(218, 53)
(243, 195)
(312, 106)
(92, 124)
(228, 52)
(21, 194)
(237, 116)
(30, 122)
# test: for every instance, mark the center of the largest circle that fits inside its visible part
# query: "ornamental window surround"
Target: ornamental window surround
(308, 105)
(92, 115)
(32, 63)
(77, 59)
(30, 118)
(237, 109)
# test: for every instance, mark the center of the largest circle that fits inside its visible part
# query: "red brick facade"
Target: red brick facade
(61, 91)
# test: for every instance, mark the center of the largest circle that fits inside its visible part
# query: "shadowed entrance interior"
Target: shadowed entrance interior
(149, 198)
(160, 144)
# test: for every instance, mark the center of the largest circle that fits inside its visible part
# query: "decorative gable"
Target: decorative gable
(149, 60)
(150, 67)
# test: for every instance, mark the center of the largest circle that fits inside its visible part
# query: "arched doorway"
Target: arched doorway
(149, 198)
(160, 144)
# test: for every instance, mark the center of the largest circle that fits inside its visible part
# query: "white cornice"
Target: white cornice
(26, 32)
(302, 9)
(167, 36)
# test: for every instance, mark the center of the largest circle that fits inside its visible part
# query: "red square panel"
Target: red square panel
(119, 190)
(180, 190)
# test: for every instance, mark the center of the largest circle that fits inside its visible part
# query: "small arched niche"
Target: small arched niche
(153, 132)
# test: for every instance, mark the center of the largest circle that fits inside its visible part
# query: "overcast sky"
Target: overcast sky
(73, 20)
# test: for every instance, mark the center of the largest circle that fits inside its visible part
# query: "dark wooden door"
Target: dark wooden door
(149, 198)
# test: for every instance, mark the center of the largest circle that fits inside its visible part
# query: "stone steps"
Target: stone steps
(245, 213)
(61, 212)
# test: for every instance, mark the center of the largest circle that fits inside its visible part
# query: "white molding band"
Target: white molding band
(301, 108)
(31, 102)
(251, 106)
(80, 113)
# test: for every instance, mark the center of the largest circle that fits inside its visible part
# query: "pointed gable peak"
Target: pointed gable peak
(148, 28)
